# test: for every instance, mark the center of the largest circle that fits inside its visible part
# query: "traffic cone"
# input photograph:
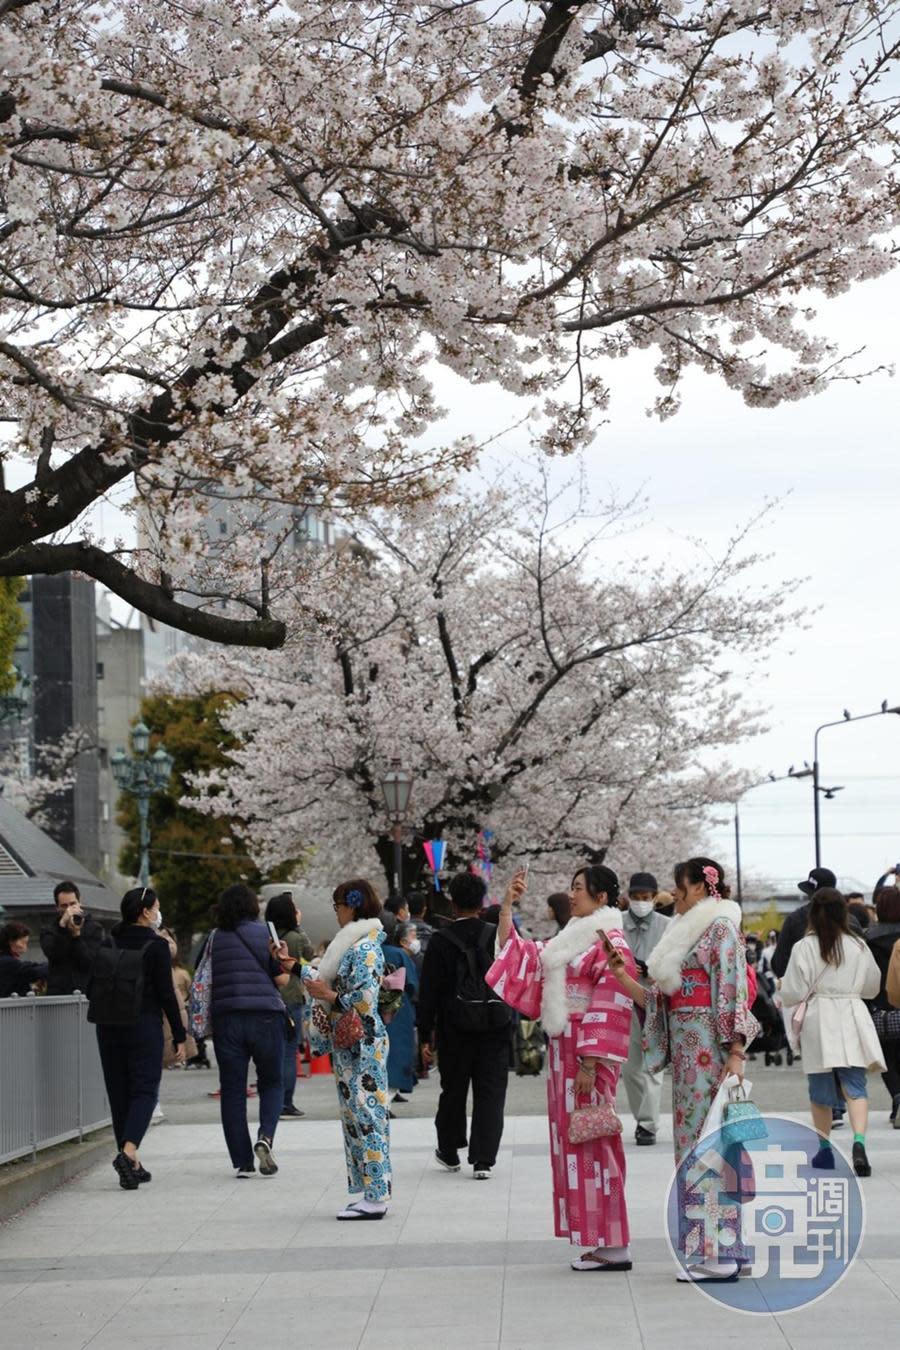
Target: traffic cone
(320, 1064)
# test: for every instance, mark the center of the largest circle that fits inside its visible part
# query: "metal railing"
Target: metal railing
(51, 1082)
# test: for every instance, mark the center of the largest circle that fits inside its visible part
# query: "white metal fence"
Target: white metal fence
(51, 1082)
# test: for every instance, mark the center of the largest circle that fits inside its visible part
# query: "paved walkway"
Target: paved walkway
(200, 1261)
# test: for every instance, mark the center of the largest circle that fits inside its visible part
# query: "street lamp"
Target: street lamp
(828, 793)
(142, 776)
(772, 778)
(396, 787)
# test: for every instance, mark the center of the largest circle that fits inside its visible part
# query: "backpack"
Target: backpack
(115, 987)
(475, 1006)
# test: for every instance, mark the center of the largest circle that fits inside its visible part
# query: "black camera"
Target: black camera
(78, 920)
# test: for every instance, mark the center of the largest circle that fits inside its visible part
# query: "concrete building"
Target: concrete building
(121, 682)
(57, 654)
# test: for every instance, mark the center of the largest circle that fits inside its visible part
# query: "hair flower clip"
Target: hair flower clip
(354, 899)
(711, 877)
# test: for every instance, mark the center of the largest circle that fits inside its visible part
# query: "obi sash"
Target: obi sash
(694, 992)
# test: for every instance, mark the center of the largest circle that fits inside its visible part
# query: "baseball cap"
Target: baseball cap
(643, 881)
(818, 877)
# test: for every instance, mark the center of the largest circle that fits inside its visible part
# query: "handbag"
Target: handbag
(348, 1030)
(741, 1119)
(200, 997)
(798, 1016)
(887, 1023)
(596, 1121)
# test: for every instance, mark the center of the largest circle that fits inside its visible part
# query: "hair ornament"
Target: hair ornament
(353, 899)
(711, 877)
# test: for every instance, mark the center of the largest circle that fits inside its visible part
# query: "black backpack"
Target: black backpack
(115, 987)
(475, 1006)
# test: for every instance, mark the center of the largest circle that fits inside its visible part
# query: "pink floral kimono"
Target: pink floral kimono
(584, 1011)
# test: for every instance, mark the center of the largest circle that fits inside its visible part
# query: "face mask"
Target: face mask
(415, 946)
(641, 908)
(157, 919)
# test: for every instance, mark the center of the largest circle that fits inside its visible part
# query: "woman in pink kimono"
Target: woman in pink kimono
(583, 1010)
(697, 1019)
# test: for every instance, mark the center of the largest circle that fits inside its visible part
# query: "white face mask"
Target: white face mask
(415, 946)
(641, 908)
(157, 919)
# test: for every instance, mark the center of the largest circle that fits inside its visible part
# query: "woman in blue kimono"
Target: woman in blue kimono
(401, 1065)
(349, 980)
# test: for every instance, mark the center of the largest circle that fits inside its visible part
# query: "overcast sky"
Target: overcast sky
(833, 461)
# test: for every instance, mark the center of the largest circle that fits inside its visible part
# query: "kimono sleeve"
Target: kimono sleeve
(655, 1039)
(604, 1029)
(517, 976)
(729, 991)
(360, 979)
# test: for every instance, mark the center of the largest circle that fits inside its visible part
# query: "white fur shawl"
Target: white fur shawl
(682, 935)
(578, 936)
(339, 945)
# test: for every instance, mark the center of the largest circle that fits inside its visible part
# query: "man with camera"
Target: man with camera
(70, 941)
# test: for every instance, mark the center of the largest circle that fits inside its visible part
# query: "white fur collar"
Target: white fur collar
(681, 937)
(578, 936)
(339, 945)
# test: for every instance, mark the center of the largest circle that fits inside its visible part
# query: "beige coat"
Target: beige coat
(838, 1031)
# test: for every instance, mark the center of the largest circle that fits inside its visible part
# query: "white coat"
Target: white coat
(838, 1032)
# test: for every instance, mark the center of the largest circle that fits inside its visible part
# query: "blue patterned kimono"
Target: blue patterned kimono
(361, 1071)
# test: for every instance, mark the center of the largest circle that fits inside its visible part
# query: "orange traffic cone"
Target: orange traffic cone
(320, 1064)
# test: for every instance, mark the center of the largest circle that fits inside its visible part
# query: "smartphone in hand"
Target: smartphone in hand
(273, 933)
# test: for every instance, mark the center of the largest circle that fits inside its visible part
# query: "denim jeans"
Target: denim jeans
(291, 1041)
(239, 1037)
(824, 1091)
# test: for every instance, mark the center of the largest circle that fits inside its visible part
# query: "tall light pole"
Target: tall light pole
(396, 787)
(142, 776)
(772, 778)
(819, 791)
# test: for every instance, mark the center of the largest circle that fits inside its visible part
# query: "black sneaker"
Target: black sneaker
(643, 1136)
(861, 1165)
(127, 1173)
(481, 1171)
(243, 1173)
(263, 1150)
(291, 1112)
(450, 1164)
(824, 1160)
(142, 1174)
(837, 1119)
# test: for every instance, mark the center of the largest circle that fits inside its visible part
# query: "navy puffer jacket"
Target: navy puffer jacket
(243, 971)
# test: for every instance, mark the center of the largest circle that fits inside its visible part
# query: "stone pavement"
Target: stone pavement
(200, 1261)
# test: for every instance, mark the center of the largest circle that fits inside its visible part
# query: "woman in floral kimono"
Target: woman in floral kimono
(349, 980)
(566, 982)
(698, 1020)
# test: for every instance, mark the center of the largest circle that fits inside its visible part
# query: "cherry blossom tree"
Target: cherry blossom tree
(240, 237)
(538, 679)
(37, 784)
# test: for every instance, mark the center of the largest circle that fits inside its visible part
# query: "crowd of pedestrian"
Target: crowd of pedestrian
(622, 988)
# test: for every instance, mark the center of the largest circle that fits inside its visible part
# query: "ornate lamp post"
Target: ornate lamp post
(142, 776)
(396, 787)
